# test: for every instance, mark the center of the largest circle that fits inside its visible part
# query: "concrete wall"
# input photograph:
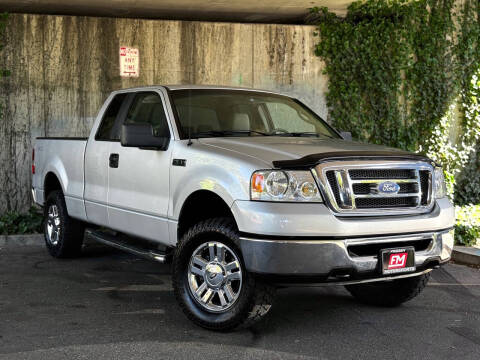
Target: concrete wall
(63, 68)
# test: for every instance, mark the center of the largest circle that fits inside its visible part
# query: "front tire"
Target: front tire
(63, 235)
(389, 293)
(210, 281)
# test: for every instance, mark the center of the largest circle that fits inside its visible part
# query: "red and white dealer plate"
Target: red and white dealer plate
(398, 260)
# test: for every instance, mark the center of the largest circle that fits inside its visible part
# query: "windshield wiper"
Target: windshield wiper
(247, 132)
(210, 133)
(219, 133)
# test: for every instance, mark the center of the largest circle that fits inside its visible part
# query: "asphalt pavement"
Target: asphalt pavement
(110, 305)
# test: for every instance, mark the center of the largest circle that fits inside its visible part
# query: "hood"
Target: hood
(280, 148)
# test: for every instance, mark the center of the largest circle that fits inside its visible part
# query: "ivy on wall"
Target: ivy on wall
(398, 68)
(468, 184)
(460, 158)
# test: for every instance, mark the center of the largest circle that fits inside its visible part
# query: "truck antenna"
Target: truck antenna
(189, 135)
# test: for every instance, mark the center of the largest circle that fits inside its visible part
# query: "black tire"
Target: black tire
(71, 231)
(254, 299)
(389, 293)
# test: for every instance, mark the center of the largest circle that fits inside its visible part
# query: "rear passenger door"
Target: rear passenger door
(138, 183)
(97, 159)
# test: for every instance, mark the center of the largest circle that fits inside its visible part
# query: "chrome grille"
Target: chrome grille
(376, 187)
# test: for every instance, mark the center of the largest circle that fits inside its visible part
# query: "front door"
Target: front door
(138, 180)
(97, 158)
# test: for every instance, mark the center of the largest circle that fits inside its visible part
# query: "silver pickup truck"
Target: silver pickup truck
(244, 191)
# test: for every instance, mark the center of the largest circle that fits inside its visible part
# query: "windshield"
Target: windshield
(210, 113)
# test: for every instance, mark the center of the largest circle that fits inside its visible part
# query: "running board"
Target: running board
(113, 241)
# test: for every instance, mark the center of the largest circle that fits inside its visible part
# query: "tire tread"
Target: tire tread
(257, 305)
(70, 244)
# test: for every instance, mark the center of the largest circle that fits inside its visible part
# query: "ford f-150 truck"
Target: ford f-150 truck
(244, 191)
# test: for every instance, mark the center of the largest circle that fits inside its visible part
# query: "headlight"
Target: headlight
(439, 187)
(277, 185)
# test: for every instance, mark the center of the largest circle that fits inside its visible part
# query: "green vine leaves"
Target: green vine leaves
(396, 68)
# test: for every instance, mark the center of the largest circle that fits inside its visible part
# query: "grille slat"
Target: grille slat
(364, 174)
(364, 189)
(334, 185)
(424, 185)
(387, 202)
(361, 189)
(408, 188)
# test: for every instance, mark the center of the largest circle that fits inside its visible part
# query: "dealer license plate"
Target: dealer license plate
(398, 260)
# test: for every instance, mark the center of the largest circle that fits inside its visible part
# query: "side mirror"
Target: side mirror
(141, 136)
(346, 135)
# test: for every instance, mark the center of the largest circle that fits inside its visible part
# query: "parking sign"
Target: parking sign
(129, 62)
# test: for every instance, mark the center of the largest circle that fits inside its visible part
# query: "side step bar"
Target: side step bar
(113, 241)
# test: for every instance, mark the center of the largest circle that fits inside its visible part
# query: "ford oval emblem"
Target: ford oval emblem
(388, 187)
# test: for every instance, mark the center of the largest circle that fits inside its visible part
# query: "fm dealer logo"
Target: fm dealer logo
(397, 261)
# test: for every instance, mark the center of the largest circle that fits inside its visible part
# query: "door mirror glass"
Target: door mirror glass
(346, 135)
(142, 136)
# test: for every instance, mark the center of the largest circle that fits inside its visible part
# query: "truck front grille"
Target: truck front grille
(356, 188)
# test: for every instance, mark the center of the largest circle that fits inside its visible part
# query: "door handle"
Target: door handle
(113, 160)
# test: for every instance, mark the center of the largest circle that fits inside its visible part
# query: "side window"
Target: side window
(147, 108)
(105, 130)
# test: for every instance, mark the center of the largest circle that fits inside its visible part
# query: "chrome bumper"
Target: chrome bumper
(333, 260)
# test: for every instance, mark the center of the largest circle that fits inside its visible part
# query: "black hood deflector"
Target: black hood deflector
(310, 161)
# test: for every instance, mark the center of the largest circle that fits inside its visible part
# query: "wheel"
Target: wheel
(389, 293)
(63, 235)
(210, 281)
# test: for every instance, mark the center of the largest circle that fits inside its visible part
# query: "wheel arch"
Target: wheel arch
(51, 183)
(202, 205)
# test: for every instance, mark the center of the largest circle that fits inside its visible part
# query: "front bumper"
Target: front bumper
(316, 220)
(339, 260)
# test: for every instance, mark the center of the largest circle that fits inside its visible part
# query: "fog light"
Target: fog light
(447, 244)
(308, 190)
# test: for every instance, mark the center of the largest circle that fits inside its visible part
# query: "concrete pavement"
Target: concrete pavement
(110, 305)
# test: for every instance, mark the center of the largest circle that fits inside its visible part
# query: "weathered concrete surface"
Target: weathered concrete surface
(466, 255)
(266, 11)
(63, 68)
(22, 240)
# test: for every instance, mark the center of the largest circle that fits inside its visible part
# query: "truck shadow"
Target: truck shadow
(146, 288)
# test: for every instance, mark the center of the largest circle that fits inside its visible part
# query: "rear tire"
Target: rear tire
(389, 293)
(196, 271)
(63, 234)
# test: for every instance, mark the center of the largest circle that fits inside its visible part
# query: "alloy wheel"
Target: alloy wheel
(215, 276)
(53, 225)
